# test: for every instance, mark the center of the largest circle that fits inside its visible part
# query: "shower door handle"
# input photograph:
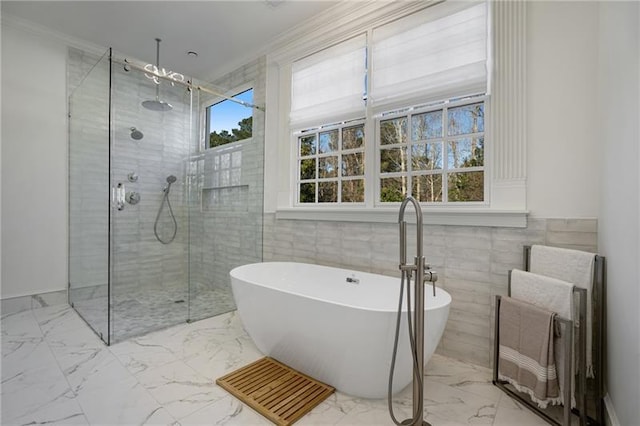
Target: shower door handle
(119, 196)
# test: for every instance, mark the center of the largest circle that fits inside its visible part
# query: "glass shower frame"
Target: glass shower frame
(110, 307)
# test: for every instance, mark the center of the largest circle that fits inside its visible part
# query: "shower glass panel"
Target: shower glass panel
(228, 193)
(89, 195)
(150, 237)
(156, 219)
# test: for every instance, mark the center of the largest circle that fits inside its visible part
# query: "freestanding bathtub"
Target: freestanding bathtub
(333, 324)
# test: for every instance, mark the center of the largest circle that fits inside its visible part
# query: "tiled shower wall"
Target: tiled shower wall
(228, 232)
(472, 262)
(140, 260)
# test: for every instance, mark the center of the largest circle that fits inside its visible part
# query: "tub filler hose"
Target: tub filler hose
(165, 199)
(414, 354)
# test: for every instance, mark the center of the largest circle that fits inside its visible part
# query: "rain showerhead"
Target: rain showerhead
(156, 104)
(136, 134)
(171, 179)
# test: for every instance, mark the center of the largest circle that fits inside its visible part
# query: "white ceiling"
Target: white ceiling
(225, 34)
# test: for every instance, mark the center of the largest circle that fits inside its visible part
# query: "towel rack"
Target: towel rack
(582, 383)
(566, 392)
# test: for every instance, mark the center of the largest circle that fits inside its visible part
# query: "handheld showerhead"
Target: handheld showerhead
(171, 179)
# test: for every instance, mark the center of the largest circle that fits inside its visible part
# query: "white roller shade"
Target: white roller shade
(432, 54)
(329, 85)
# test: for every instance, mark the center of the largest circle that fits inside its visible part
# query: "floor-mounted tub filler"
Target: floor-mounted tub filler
(335, 325)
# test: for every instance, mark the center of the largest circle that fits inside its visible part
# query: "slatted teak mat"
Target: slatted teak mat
(280, 393)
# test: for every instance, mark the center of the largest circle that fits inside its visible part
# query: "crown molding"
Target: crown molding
(341, 22)
(350, 17)
(44, 32)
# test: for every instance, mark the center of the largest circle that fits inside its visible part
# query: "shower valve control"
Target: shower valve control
(133, 197)
(430, 275)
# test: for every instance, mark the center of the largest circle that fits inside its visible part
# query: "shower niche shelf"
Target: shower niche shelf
(230, 198)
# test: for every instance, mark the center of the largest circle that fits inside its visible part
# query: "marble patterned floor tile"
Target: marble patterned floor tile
(180, 389)
(226, 411)
(462, 375)
(448, 405)
(28, 402)
(375, 412)
(28, 364)
(138, 356)
(21, 325)
(90, 368)
(63, 411)
(219, 359)
(123, 403)
(56, 320)
(188, 340)
(511, 413)
(56, 370)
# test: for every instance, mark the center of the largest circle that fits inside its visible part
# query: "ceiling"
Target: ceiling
(225, 34)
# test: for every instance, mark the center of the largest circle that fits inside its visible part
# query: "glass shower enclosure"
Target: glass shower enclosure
(142, 226)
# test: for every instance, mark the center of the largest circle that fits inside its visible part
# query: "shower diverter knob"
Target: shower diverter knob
(132, 197)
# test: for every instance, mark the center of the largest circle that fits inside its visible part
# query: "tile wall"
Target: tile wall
(228, 231)
(472, 262)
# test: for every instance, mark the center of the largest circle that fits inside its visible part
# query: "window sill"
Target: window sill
(431, 216)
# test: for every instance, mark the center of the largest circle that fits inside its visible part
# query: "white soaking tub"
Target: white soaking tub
(333, 324)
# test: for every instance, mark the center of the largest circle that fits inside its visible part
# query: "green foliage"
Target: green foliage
(237, 134)
(391, 195)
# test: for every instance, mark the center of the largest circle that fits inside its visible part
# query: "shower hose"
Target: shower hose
(165, 199)
(412, 342)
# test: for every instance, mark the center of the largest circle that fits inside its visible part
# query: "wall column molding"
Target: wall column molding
(508, 106)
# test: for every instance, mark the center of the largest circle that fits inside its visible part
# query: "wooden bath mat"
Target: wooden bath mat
(280, 393)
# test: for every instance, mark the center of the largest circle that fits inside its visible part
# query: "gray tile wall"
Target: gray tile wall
(472, 262)
(228, 231)
(139, 259)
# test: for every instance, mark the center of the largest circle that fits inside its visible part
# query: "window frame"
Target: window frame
(297, 158)
(409, 112)
(217, 100)
(505, 121)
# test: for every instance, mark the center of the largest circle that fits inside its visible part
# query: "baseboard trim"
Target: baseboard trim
(13, 305)
(610, 419)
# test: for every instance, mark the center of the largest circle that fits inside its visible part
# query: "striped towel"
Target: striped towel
(553, 295)
(526, 358)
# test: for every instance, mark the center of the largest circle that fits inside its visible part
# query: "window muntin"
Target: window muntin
(229, 121)
(440, 160)
(435, 151)
(330, 165)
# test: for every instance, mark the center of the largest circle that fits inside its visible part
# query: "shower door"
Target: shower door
(151, 136)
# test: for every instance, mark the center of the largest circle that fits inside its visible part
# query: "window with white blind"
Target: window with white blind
(329, 86)
(420, 86)
(437, 53)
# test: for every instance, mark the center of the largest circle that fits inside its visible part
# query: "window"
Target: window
(331, 165)
(434, 154)
(423, 96)
(229, 121)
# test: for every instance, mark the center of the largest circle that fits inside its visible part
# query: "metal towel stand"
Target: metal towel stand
(598, 342)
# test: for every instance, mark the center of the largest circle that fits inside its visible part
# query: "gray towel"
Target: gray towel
(575, 267)
(526, 358)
